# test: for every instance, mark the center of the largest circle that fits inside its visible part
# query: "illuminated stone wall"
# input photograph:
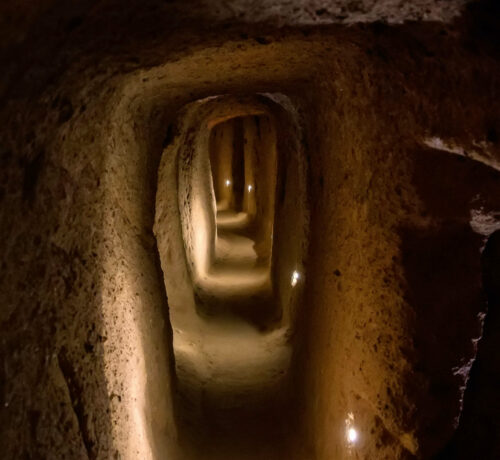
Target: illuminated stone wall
(389, 197)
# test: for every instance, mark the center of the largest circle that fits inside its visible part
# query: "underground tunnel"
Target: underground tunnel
(250, 230)
(233, 301)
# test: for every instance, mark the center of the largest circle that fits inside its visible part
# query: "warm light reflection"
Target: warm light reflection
(295, 278)
(228, 183)
(250, 188)
(351, 432)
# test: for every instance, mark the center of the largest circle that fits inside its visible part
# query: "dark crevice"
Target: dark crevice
(479, 425)
(31, 175)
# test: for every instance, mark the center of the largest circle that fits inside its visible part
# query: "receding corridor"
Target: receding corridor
(237, 276)
(232, 349)
(249, 230)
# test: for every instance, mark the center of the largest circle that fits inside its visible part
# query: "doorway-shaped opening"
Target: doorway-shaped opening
(227, 158)
(243, 157)
(227, 259)
(243, 162)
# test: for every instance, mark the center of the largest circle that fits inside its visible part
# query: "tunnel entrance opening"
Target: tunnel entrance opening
(228, 261)
(234, 295)
(237, 206)
(244, 170)
(227, 159)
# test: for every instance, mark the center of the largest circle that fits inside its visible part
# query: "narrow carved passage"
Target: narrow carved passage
(249, 230)
(232, 342)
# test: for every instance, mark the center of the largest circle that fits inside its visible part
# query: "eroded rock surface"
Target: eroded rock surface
(398, 124)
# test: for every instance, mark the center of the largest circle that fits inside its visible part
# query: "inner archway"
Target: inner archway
(228, 275)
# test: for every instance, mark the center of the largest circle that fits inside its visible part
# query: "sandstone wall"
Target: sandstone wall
(400, 131)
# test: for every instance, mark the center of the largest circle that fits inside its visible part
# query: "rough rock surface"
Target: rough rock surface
(400, 128)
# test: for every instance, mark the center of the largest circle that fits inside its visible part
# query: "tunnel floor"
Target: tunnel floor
(237, 275)
(232, 376)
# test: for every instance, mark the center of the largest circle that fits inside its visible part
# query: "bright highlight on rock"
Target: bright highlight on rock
(352, 435)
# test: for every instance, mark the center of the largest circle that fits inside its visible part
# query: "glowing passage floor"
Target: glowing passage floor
(231, 376)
